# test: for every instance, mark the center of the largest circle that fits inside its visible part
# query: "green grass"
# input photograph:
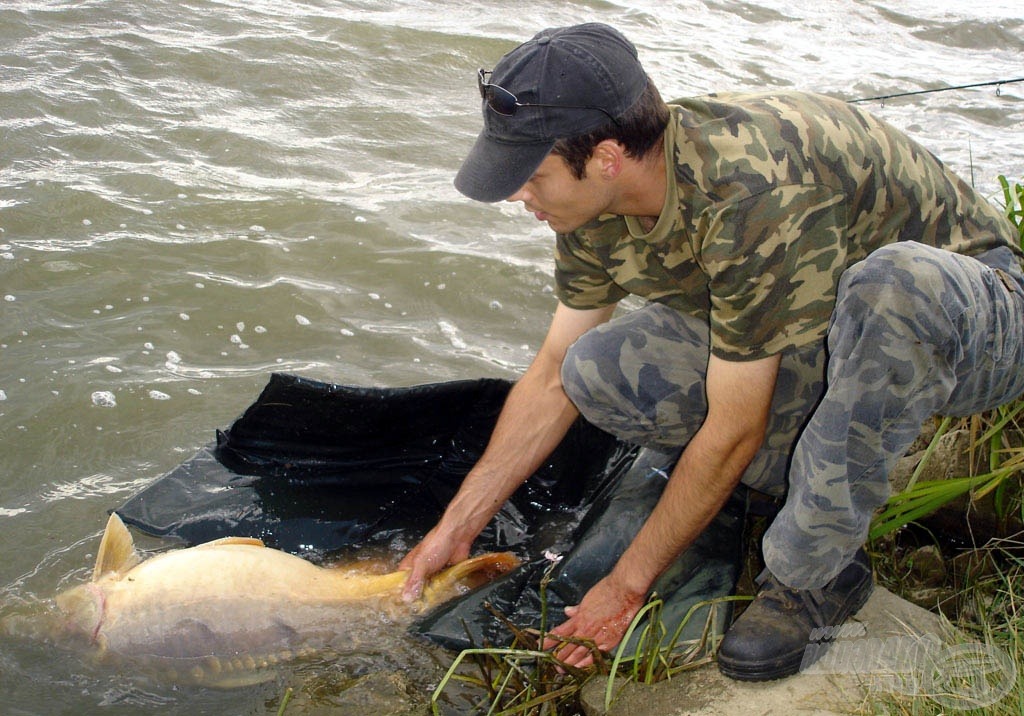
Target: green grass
(525, 680)
(1013, 203)
(522, 679)
(659, 654)
(993, 626)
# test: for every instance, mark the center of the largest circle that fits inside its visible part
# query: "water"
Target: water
(195, 193)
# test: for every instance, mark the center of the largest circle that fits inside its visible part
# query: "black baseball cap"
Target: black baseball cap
(564, 82)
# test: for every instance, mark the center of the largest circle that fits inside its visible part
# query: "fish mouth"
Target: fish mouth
(51, 622)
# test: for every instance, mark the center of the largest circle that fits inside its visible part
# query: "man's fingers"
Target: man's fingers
(566, 628)
(413, 584)
(576, 655)
(572, 654)
(412, 591)
(579, 658)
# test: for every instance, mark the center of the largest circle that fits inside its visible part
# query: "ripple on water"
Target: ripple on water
(91, 486)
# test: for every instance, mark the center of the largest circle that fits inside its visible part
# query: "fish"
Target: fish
(226, 613)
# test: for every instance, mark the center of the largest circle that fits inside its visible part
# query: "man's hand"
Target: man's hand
(603, 616)
(434, 552)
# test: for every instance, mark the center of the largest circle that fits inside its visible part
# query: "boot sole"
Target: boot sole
(784, 666)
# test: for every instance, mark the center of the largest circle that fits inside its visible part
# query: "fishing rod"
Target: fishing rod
(882, 98)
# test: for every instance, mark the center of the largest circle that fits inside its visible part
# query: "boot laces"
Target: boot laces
(808, 600)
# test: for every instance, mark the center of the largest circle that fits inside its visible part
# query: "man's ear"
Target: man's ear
(609, 157)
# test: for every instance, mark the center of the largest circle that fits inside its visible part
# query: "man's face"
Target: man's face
(566, 203)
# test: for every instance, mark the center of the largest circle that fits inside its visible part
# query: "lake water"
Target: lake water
(196, 193)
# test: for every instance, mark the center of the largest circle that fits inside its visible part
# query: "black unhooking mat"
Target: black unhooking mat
(316, 468)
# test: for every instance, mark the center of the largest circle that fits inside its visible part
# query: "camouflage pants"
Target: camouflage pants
(916, 332)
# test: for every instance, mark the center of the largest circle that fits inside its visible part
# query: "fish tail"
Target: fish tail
(469, 574)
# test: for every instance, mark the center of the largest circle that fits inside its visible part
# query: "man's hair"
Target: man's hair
(638, 131)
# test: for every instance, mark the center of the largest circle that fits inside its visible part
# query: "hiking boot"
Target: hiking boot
(770, 638)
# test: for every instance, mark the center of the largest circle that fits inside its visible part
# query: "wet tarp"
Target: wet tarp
(315, 468)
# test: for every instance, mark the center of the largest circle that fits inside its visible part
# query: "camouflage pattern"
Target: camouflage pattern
(641, 377)
(770, 199)
(790, 220)
(916, 331)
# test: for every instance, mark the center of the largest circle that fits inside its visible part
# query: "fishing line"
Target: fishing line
(882, 98)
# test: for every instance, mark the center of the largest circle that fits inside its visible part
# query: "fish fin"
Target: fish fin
(252, 541)
(469, 574)
(117, 549)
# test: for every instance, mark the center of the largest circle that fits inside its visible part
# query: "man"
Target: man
(818, 285)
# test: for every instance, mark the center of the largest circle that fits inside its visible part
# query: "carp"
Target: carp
(225, 612)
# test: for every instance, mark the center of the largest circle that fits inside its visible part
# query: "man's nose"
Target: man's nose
(520, 195)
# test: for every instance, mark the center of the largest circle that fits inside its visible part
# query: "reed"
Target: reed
(523, 678)
(285, 698)
(1013, 202)
(659, 655)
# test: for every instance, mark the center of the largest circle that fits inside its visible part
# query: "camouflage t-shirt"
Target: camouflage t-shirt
(770, 198)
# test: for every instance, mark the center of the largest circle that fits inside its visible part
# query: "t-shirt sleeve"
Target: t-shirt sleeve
(580, 278)
(773, 262)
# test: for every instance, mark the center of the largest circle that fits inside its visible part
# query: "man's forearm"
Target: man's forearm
(700, 485)
(701, 482)
(535, 418)
(739, 396)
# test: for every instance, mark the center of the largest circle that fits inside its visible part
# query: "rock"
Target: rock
(887, 622)
(964, 520)
(927, 566)
(950, 458)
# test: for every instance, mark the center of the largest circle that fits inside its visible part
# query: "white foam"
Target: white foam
(104, 399)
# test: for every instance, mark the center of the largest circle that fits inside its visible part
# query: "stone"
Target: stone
(825, 689)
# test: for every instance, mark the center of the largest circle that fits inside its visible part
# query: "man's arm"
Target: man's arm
(536, 416)
(739, 398)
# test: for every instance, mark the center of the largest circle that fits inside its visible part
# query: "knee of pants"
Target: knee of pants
(884, 274)
(580, 371)
(593, 379)
(897, 293)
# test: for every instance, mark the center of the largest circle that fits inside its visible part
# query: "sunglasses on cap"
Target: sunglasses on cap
(505, 103)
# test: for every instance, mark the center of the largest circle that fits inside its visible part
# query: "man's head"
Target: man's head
(571, 87)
